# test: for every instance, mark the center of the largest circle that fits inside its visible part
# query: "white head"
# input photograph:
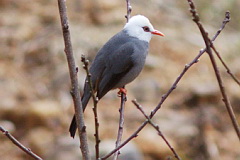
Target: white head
(140, 27)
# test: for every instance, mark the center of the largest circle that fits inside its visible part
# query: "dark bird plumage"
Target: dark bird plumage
(119, 61)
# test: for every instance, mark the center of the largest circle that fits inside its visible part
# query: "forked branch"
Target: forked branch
(208, 44)
(156, 127)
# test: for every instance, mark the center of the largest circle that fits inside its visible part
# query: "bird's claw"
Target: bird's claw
(122, 90)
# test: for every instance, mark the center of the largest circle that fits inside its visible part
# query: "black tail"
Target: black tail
(73, 126)
(85, 98)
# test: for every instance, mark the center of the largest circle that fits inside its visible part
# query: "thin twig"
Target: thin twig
(121, 122)
(74, 80)
(164, 97)
(129, 10)
(156, 127)
(19, 145)
(208, 44)
(95, 101)
(123, 98)
(224, 64)
(226, 20)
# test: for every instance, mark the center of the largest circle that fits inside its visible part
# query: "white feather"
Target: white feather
(135, 25)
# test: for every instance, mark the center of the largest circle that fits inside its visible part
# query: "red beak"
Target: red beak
(156, 32)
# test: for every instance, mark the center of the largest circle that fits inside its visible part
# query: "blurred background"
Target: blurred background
(36, 106)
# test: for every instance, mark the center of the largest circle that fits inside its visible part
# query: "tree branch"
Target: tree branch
(187, 66)
(225, 21)
(19, 145)
(225, 65)
(156, 127)
(121, 122)
(208, 44)
(95, 101)
(129, 10)
(123, 97)
(74, 81)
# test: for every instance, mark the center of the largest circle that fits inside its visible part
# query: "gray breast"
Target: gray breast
(139, 58)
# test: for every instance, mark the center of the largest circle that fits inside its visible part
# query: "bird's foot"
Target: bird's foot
(122, 90)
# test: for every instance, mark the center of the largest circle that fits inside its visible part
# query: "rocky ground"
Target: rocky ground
(36, 106)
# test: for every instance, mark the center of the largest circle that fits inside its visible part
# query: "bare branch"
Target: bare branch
(156, 127)
(225, 65)
(74, 80)
(208, 44)
(225, 21)
(123, 97)
(121, 122)
(134, 135)
(18, 144)
(129, 10)
(95, 101)
(187, 66)
(164, 97)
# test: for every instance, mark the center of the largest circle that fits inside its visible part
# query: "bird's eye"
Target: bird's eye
(146, 29)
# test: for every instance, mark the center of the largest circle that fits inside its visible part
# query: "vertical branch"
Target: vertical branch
(123, 98)
(74, 80)
(208, 44)
(19, 145)
(129, 10)
(121, 122)
(95, 101)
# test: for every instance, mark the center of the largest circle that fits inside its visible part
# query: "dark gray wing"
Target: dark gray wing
(118, 64)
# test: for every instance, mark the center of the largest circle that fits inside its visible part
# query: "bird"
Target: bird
(119, 61)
